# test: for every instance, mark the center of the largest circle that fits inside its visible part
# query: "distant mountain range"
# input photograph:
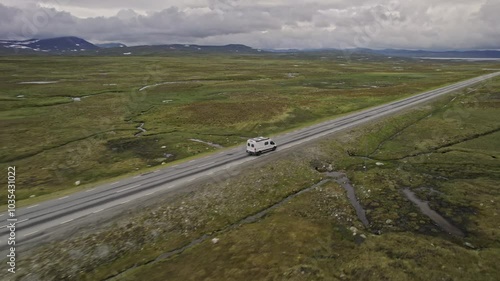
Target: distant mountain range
(111, 45)
(75, 45)
(52, 45)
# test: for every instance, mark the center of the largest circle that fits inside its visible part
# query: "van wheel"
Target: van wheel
(258, 153)
(274, 148)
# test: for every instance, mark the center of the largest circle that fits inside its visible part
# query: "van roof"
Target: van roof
(258, 139)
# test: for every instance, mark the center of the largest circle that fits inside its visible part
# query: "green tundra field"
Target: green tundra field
(71, 122)
(286, 218)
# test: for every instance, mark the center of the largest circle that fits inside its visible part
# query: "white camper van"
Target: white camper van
(256, 146)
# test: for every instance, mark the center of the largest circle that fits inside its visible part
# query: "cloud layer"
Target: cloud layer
(446, 24)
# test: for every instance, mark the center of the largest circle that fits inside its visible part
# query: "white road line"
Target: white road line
(67, 221)
(90, 190)
(63, 197)
(151, 193)
(95, 212)
(21, 221)
(3, 226)
(31, 233)
(122, 190)
(32, 206)
(125, 202)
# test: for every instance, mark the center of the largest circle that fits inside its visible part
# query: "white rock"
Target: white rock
(77, 183)
(379, 164)
(164, 147)
(215, 240)
(388, 221)
(469, 245)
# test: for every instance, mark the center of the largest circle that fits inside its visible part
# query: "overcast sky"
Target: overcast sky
(426, 24)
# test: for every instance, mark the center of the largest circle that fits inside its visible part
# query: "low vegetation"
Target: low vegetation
(77, 118)
(306, 229)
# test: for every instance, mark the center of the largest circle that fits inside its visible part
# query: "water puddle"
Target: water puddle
(342, 180)
(433, 215)
(37, 82)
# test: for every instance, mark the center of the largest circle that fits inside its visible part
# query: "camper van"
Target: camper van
(256, 146)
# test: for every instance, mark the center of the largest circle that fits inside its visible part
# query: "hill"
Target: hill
(51, 45)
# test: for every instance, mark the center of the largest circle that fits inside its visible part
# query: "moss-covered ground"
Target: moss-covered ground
(82, 124)
(446, 152)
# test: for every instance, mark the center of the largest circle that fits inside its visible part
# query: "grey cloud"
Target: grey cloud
(270, 23)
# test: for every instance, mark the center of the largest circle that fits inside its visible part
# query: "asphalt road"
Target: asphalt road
(49, 217)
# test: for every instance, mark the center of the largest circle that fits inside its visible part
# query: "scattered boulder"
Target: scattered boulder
(353, 229)
(389, 221)
(215, 240)
(469, 245)
(77, 183)
(379, 164)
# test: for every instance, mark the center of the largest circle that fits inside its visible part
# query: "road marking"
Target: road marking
(32, 206)
(136, 177)
(115, 183)
(95, 212)
(22, 221)
(125, 202)
(122, 190)
(90, 190)
(31, 233)
(63, 197)
(3, 226)
(66, 221)
(150, 193)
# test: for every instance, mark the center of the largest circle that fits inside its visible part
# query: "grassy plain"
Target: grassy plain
(446, 152)
(55, 140)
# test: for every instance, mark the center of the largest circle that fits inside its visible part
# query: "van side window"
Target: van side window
(248, 144)
(272, 143)
(253, 145)
(266, 143)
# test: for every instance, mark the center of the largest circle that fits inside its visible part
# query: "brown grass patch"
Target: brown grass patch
(234, 112)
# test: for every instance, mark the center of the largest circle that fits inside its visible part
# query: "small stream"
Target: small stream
(433, 215)
(141, 130)
(343, 181)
